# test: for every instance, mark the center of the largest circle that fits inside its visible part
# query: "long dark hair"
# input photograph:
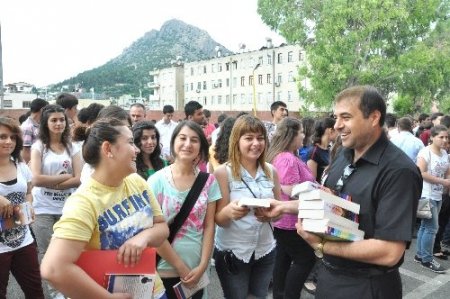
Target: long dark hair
(155, 159)
(44, 132)
(320, 127)
(285, 133)
(204, 145)
(221, 154)
(15, 129)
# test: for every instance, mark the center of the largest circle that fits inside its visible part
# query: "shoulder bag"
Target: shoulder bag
(187, 206)
(424, 205)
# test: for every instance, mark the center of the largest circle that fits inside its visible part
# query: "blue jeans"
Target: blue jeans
(252, 278)
(427, 233)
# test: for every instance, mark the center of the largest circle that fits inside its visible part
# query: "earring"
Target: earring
(110, 156)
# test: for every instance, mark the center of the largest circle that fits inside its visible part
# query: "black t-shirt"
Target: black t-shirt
(387, 185)
(321, 157)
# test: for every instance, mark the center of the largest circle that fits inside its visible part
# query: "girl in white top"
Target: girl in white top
(245, 246)
(434, 165)
(56, 168)
(18, 253)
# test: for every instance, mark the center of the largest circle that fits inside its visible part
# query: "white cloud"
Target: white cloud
(47, 41)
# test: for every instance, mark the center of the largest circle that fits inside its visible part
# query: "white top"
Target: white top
(165, 132)
(247, 235)
(408, 143)
(46, 200)
(437, 167)
(214, 135)
(19, 236)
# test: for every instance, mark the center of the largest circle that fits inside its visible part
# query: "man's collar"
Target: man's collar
(373, 154)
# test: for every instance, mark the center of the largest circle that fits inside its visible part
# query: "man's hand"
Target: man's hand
(310, 238)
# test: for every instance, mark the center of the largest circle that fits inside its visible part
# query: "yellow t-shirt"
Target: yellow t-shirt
(105, 217)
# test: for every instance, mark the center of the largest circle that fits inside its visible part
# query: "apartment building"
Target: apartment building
(238, 82)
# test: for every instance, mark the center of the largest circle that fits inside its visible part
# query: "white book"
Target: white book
(138, 286)
(254, 202)
(325, 196)
(332, 231)
(330, 216)
(305, 187)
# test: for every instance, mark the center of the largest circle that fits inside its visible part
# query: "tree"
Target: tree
(356, 42)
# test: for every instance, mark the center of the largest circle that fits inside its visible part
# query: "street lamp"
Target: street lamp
(254, 88)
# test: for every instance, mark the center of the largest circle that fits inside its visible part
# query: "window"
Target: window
(242, 98)
(227, 82)
(250, 80)
(7, 103)
(260, 79)
(227, 66)
(213, 99)
(186, 87)
(219, 67)
(213, 68)
(269, 78)
(234, 99)
(219, 100)
(291, 76)
(300, 56)
(204, 85)
(269, 59)
(289, 96)
(260, 98)
(227, 99)
(219, 82)
(192, 71)
(269, 97)
(279, 78)
(213, 84)
(199, 86)
(260, 60)
(290, 56)
(204, 69)
(280, 58)
(234, 81)
(243, 81)
(279, 94)
(192, 86)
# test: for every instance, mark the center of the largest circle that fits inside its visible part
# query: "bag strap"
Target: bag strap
(251, 191)
(188, 204)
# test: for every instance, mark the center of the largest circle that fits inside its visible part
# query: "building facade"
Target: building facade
(239, 82)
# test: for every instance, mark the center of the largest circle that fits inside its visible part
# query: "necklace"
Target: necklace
(172, 178)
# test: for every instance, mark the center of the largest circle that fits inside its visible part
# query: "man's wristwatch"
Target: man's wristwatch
(319, 249)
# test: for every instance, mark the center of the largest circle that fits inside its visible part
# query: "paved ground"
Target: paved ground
(417, 282)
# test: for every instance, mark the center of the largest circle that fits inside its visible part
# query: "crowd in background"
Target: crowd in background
(106, 178)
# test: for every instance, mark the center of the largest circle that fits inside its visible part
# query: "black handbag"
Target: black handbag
(186, 208)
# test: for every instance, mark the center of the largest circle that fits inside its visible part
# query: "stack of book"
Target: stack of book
(325, 214)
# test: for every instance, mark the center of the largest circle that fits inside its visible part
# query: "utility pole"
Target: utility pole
(1, 70)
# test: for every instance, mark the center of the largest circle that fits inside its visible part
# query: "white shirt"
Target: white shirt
(214, 135)
(165, 132)
(437, 166)
(247, 235)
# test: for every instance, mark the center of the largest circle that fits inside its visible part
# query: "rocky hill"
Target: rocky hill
(129, 72)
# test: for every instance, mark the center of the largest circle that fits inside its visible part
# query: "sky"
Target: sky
(47, 41)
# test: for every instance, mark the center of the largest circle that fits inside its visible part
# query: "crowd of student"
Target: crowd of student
(105, 178)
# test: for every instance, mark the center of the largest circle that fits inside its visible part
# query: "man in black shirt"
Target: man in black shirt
(387, 185)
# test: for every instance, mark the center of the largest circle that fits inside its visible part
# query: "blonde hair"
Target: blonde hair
(243, 125)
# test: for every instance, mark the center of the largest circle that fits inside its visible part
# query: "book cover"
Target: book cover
(254, 202)
(305, 187)
(332, 231)
(89, 262)
(319, 194)
(325, 211)
(183, 292)
(138, 286)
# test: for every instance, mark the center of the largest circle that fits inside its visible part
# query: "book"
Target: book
(328, 215)
(325, 196)
(138, 286)
(100, 271)
(332, 231)
(254, 202)
(183, 292)
(305, 187)
(323, 210)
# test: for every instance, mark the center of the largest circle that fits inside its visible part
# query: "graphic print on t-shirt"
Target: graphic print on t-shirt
(115, 224)
(14, 237)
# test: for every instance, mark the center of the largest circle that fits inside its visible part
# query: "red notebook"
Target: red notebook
(98, 263)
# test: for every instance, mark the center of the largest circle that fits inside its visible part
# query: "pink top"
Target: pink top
(291, 171)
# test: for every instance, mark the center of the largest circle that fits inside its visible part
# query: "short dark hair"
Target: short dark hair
(168, 109)
(191, 107)
(436, 115)
(434, 131)
(391, 120)
(405, 124)
(204, 145)
(221, 118)
(140, 105)
(445, 121)
(370, 100)
(207, 113)
(37, 104)
(423, 116)
(277, 104)
(66, 100)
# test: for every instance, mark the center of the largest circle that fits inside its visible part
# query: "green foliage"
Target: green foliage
(388, 44)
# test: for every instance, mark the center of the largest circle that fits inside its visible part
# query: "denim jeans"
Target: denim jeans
(252, 278)
(427, 233)
(294, 261)
(43, 231)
